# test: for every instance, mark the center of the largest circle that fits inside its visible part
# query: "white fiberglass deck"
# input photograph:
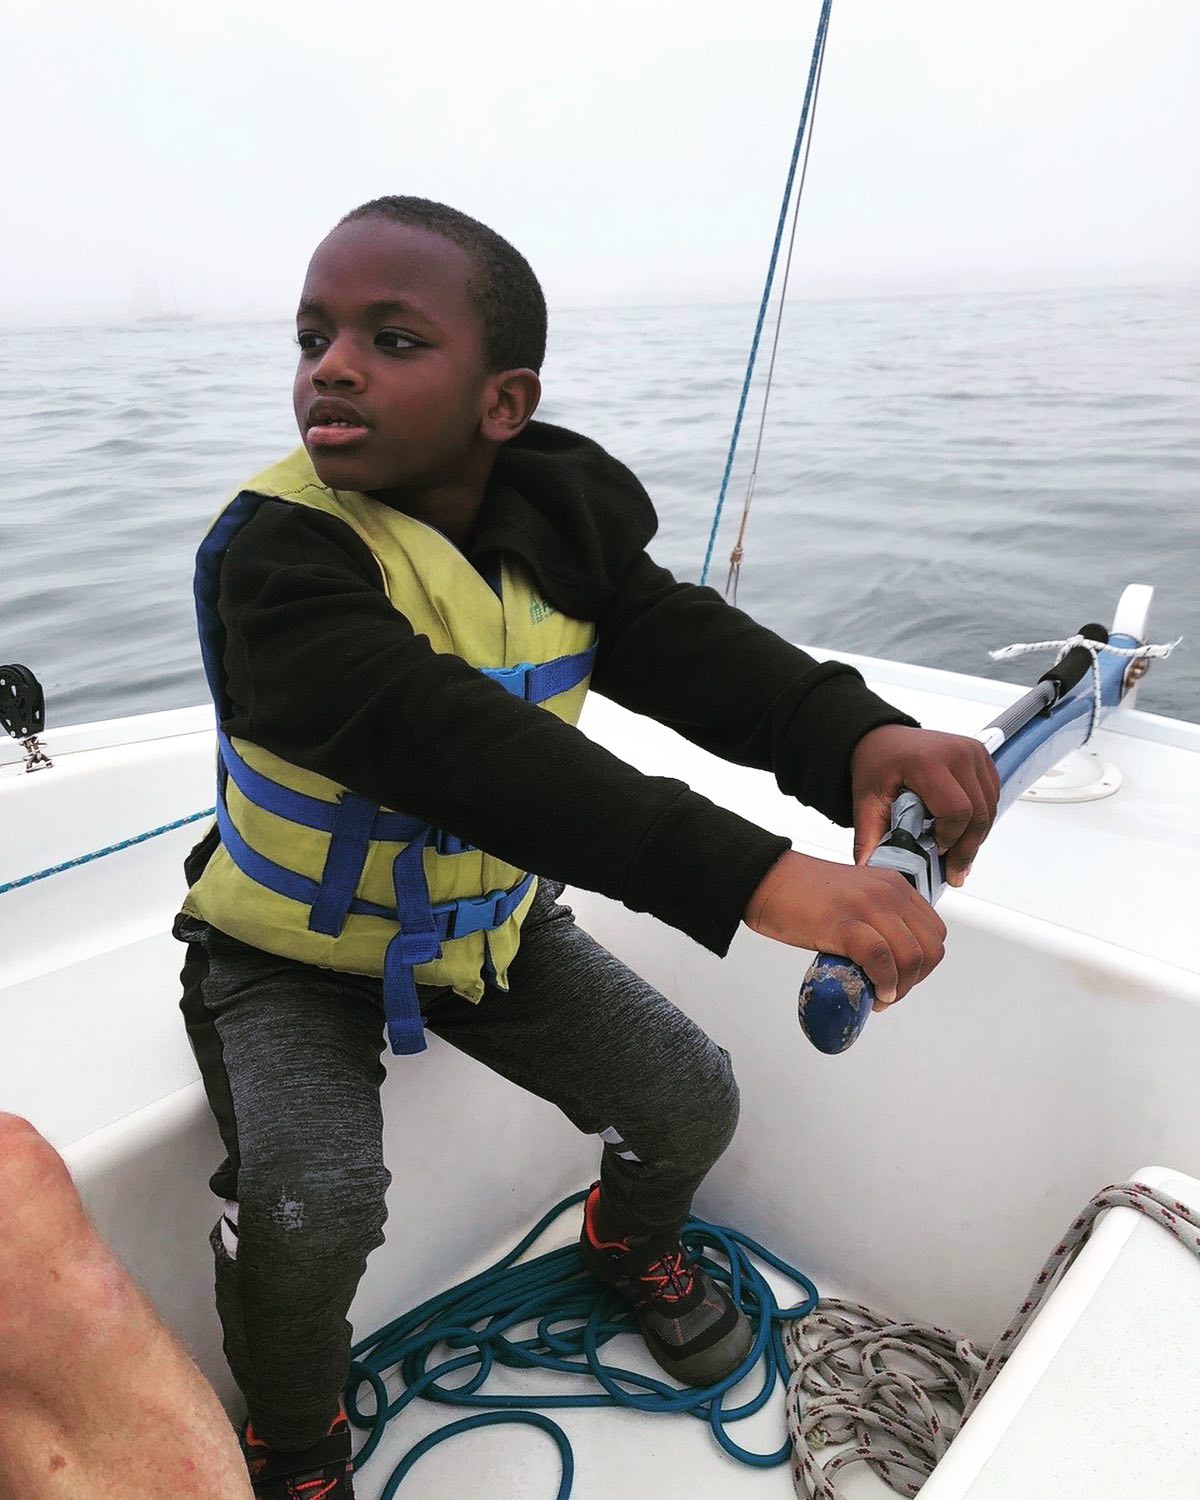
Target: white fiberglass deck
(1099, 1398)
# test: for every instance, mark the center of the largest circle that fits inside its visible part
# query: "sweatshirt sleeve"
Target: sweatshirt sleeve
(679, 654)
(325, 672)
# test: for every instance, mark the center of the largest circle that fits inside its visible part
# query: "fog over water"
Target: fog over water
(940, 475)
(635, 153)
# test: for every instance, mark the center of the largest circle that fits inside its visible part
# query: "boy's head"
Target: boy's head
(421, 333)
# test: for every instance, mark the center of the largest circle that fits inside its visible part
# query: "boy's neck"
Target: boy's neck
(451, 513)
(451, 508)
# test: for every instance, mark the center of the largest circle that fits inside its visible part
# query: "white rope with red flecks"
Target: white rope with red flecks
(897, 1393)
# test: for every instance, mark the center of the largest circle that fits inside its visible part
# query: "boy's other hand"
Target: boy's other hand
(952, 774)
(872, 917)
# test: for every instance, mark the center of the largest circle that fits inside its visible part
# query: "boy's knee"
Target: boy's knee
(724, 1099)
(701, 1119)
(319, 1207)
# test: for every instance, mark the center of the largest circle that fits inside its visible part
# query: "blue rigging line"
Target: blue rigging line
(86, 859)
(813, 69)
(573, 1316)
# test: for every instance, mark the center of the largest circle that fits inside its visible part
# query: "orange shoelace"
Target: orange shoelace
(670, 1278)
(308, 1490)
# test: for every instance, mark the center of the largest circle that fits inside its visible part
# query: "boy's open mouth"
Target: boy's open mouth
(334, 424)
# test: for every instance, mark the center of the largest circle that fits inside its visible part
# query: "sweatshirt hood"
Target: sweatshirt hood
(575, 515)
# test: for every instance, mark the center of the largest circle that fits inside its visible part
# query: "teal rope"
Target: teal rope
(474, 1325)
(813, 70)
(84, 859)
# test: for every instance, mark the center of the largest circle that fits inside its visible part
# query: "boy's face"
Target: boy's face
(391, 346)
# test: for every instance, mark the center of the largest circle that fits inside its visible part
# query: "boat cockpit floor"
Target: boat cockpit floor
(618, 1452)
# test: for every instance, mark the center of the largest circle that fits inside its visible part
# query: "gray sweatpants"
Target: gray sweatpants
(291, 1061)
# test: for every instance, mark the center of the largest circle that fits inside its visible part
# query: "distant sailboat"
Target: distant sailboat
(148, 305)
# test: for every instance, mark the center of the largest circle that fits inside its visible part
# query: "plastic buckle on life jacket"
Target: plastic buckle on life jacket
(474, 914)
(483, 913)
(514, 680)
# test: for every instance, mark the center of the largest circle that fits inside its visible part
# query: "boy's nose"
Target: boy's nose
(337, 367)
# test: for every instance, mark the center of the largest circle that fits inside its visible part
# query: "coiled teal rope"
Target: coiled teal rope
(474, 1326)
(86, 859)
(813, 72)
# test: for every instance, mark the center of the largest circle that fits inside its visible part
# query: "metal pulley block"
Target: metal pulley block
(23, 713)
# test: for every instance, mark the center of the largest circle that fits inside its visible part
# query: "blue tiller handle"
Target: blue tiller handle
(835, 1001)
(836, 996)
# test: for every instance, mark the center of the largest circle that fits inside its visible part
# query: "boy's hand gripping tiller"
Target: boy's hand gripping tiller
(836, 997)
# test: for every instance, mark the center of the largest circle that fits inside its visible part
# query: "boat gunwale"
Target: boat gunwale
(170, 723)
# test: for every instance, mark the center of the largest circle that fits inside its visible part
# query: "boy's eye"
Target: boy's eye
(393, 338)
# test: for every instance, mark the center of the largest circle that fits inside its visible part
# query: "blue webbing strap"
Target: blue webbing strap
(310, 812)
(402, 1007)
(537, 682)
(206, 587)
(349, 842)
(279, 878)
(453, 919)
(450, 843)
(415, 943)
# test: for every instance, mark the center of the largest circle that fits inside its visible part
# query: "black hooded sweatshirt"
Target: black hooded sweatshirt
(325, 672)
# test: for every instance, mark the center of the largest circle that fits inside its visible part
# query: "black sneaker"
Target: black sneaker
(321, 1472)
(688, 1320)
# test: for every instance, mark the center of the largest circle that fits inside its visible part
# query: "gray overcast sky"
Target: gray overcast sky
(633, 150)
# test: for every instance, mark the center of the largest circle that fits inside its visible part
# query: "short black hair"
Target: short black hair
(511, 303)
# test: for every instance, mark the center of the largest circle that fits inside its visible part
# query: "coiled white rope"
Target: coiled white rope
(897, 1393)
(1021, 648)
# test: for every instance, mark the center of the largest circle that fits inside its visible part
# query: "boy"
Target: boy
(399, 623)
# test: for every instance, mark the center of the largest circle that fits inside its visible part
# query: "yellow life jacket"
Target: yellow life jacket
(307, 868)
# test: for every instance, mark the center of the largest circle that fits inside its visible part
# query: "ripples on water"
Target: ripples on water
(940, 474)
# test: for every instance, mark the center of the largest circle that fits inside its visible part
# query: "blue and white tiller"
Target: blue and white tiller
(1098, 670)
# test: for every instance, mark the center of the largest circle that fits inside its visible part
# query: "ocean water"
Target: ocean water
(940, 474)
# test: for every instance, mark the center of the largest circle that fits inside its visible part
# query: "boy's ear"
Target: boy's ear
(511, 398)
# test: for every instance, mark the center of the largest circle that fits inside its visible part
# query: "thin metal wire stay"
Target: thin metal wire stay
(808, 109)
